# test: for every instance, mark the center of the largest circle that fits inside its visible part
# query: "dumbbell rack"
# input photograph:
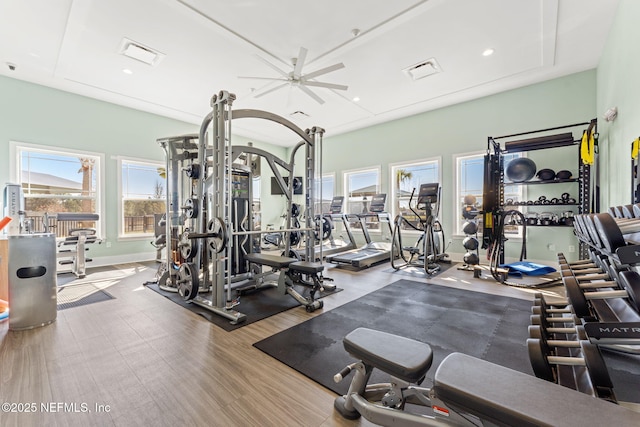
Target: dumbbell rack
(494, 204)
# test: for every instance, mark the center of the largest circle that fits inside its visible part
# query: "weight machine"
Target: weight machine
(428, 249)
(222, 245)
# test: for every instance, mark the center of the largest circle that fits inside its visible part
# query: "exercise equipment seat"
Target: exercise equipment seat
(400, 357)
(306, 267)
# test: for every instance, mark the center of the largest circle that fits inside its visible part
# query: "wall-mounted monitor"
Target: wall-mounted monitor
(277, 190)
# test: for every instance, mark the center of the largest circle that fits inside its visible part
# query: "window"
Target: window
(57, 180)
(470, 182)
(409, 176)
(143, 195)
(256, 208)
(359, 187)
(324, 197)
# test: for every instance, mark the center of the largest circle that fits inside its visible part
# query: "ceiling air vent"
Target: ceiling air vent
(423, 69)
(140, 52)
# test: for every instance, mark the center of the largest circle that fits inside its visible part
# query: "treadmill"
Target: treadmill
(372, 252)
(333, 245)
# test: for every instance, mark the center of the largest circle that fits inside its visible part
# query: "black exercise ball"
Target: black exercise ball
(563, 174)
(546, 175)
(471, 258)
(521, 169)
(469, 212)
(470, 243)
(470, 227)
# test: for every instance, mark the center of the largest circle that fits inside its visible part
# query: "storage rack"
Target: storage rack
(494, 205)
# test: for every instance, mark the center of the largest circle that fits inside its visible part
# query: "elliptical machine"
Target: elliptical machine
(428, 250)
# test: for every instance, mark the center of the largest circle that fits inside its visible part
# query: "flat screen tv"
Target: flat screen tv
(276, 190)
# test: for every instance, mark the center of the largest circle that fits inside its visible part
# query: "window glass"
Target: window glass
(56, 181)
(143, 196)
(406, 178)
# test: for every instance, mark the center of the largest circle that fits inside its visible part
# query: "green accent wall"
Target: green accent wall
(35, 114)
(618, 86)
(464, 128)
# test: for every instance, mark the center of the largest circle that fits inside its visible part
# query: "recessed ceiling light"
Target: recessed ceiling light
(356, 99)
(488, 52)
(127, 71)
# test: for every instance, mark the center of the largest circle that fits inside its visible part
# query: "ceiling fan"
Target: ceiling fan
(295, 78)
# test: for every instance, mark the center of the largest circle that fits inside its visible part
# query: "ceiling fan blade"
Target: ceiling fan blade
(273, 67)
(311, 94)
(302, 55)
(263, 78)
(327, 85)
(270, 90)
(325, 70)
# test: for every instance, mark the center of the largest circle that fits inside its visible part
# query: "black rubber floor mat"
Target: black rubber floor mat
(482, 325)
(256, 306)
(487, 326)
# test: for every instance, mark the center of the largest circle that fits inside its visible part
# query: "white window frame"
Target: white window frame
(345, 186)
(144, 162)
(323, 177)
(392, 176)
(456, 209)
(15, 168)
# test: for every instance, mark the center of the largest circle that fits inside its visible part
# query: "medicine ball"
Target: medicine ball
(469, 212)
(471, 258)
(470, 199)
(470, 243)
(563, 174)
(521, 169)
(546, 175)
(470, 227)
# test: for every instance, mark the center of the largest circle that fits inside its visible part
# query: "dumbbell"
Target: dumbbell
(586, 231)
(629, 289)
(548, 366)
(612, 232)
(568, 326)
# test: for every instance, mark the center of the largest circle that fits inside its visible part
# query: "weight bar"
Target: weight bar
(543, 362)
(536, 319)
(580, 299)
(536, 332)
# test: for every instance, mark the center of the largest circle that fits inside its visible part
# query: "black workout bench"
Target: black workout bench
(292, 272)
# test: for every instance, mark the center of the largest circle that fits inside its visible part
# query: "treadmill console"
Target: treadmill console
(336, 205)
(377, 203)
(428, 195)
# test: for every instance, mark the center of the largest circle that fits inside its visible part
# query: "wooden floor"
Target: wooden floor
(140, 359)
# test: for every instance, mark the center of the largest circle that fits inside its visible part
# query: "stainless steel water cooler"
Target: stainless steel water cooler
(32, 280)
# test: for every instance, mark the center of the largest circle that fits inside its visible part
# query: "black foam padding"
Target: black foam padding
(274, 261)
(307, 267)
(487, 326)
(512, 398)
(401, 357)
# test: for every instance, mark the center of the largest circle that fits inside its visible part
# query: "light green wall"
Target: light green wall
(464, 128)
(36, 114)
(618, 86)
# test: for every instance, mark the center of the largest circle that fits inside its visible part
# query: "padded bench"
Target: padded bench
(401, 357)
(509, 397)
(280, 262)
(489, 391)
(274, 261)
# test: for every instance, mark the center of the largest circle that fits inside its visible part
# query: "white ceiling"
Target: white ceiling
(74, 45)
